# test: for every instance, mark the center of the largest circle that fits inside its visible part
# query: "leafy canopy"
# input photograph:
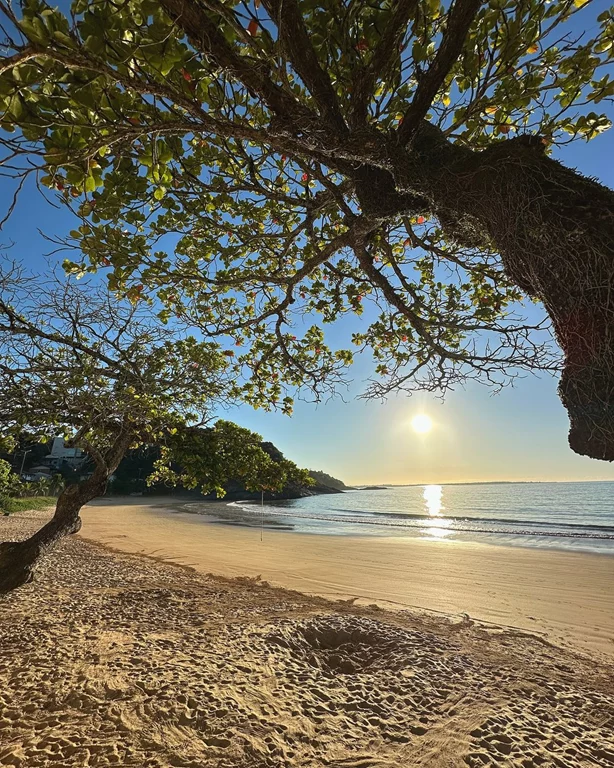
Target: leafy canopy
(233, 162)
(220, 453)
(75, 361)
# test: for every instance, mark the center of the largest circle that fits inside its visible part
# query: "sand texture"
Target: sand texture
(567, 597)
(116, 659)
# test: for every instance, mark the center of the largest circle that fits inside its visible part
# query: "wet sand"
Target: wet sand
(566, 597)
(113, 659)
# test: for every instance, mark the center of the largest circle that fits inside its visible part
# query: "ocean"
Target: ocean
(567, 516)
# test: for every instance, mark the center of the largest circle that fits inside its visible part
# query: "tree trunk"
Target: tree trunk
(18, 559)
(554, 230)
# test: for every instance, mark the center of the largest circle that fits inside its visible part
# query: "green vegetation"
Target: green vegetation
(311, 158)
(8, 480)
(9, 506)
(137, 471)
(221, 453)
(325, 479)
(17, 496)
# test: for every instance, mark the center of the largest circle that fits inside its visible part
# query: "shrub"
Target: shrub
(9, 505)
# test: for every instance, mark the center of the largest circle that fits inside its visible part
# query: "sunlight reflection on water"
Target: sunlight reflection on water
(432, 496)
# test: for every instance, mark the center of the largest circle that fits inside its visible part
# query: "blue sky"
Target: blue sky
(519, 434)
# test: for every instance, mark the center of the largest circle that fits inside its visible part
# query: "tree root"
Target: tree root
(17, 563)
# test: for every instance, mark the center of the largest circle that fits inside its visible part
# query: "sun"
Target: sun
(422, 423)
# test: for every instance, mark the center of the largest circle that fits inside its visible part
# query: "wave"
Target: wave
(447, 523)
(468, 519)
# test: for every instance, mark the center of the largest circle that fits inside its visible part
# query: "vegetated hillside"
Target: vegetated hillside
(323, 483)
(137, 465)
(323, 478)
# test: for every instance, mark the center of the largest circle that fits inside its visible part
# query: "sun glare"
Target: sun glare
(421, 423)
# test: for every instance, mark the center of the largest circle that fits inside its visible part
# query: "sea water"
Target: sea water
(569, 516)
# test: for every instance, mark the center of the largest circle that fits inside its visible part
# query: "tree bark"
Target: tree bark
(554, 229)
(18, 560)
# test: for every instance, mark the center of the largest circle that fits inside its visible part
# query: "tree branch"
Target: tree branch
(459, 21)
(387, 47)
(419, 325)
(96, 455)
(205, 35)
(301, 54)
(18, 58)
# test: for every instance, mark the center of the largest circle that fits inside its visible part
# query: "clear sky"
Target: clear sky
(519, 434)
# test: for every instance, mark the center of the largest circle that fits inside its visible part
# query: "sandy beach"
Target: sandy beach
(111, 658)
(565, 597)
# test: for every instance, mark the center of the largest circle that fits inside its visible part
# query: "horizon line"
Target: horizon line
(480, 482)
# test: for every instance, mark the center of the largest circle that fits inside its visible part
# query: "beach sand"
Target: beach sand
(566, 597)
(112, 659)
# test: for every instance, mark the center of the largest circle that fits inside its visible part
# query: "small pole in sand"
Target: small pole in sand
(261, 513)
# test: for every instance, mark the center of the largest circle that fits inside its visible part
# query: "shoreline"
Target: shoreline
(563, 596)
(483, 537)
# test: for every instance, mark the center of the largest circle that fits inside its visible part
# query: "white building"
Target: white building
(61, 453)
(37, 473)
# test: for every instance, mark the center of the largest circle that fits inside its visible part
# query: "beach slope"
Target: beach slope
(116, 659)
(566, 597)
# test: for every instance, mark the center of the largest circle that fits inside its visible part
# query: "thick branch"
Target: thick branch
(205, 35)
(297, 45)
(386, 50)
(18, 58)
(76, 59)
(459, 21)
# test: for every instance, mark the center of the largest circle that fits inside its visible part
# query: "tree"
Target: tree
(248, 164)
(222, 453)
(74, 361)
(8, 479)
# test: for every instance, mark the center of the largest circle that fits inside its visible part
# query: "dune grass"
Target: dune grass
(9, 505)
